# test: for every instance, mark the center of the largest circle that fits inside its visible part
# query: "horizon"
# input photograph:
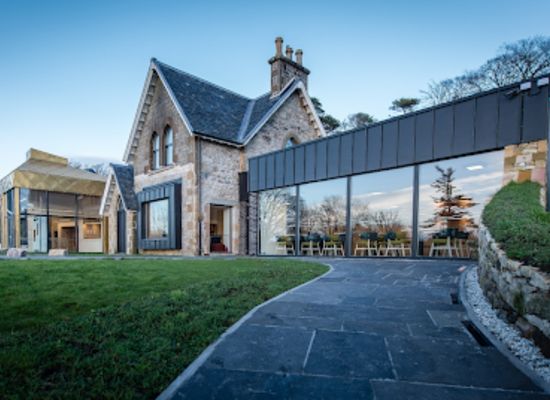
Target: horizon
(76, 71)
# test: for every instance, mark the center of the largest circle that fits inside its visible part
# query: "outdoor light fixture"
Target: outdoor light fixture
(525, 86)
(474, 167)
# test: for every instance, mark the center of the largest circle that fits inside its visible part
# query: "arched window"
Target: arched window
(168, 146)
(155, 151)
(291, 142)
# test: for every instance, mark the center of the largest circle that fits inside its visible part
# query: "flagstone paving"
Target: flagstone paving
(370, 329)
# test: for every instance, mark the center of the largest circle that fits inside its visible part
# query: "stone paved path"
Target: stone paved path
(371, 329)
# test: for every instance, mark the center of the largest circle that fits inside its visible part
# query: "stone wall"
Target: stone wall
(162, 112)
(527, 162)
(520, 292)
(292, 120)
(253, 201)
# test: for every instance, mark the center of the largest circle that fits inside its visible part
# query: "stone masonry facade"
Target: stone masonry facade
(208, 170)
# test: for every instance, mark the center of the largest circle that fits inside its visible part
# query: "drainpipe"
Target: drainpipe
(198, 163)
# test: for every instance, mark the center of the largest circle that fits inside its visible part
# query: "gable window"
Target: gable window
(168, 146)
(291, 142)
(155, 151)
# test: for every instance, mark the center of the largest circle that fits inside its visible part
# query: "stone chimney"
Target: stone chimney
(284, 68)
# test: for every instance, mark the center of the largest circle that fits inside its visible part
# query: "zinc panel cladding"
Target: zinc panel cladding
(299, 164)
(390, 136)
(270, 170)
(333, 155)
(346, 154)
(359, 151)
(374, 147)
(405, 154)
(261, 173)
(484, 122)
(310, 161)
(443, 132)
(535, 114)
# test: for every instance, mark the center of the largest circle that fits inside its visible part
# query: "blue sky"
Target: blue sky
(71, 73)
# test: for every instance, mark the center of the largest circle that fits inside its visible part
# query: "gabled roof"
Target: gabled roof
(121, 176)
(211, 111)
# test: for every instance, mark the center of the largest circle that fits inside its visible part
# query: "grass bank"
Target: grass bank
(122, 329)
(519, 223)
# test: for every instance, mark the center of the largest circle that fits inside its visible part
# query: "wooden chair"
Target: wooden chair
(310, 248)
(440, 246)
(366, 246)
(333, 246)
(284, 248)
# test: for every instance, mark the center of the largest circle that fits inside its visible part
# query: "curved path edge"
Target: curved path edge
(201, 359)
(499, 345)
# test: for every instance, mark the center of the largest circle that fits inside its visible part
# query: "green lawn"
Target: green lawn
(122, 329)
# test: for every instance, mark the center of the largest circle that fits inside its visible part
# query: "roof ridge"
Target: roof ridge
(246, 119)
(200, 79)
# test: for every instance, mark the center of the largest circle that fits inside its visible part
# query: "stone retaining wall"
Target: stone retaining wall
(520, 292)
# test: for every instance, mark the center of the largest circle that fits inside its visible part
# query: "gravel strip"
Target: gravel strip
(521, 347)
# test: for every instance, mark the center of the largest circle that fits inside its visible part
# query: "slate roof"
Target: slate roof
(214, 111)
(124, 175)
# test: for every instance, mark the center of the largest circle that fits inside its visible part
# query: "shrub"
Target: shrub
(519, 223)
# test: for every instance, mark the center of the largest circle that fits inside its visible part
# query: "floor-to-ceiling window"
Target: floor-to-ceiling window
(452, 194)
(63, 226)
(323, 217)
(381, 213)
(33, 208)
(278, 221)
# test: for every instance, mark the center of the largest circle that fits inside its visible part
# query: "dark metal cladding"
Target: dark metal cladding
(374, 147)
(463, 142)
(321, 164)
(279, 169)
(406, 141)
(270, 171)
(346, 154)
(333, 156)
(310, 161)
(484, 122)
(261, 173)
(424, 136)
(535, 114)
(390, 136)
(289, 167)
(299, 164)
(443, 132)
(360, 151)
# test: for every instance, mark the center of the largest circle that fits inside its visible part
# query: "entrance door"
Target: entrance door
(227, 228)
(121, 231)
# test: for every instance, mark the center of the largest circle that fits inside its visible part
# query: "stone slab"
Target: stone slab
(260, 348)
(347, 354)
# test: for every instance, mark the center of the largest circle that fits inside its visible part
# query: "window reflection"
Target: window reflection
(278, 221)
(381, 213)
(323, 218)
(452, 195)
(156, 219)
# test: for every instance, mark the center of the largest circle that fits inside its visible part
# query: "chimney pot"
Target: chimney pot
(299, 54)
(289, 52)
(278, 46)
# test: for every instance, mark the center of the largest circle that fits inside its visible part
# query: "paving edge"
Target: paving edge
(496, 342)
(192, 368)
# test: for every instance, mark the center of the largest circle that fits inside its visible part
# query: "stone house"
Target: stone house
(183, 188)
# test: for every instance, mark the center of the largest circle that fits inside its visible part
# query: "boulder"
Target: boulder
(16, 252)
(58, 253)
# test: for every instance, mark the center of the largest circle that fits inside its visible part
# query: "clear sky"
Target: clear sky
(71, 73)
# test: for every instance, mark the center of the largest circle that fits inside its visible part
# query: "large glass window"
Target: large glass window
(381, 213)
(33, 202)
(168, 146)
(156, 219)
(452, 195)
(88, 206)
(10, 209)
(278, 221)
(323, 218)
